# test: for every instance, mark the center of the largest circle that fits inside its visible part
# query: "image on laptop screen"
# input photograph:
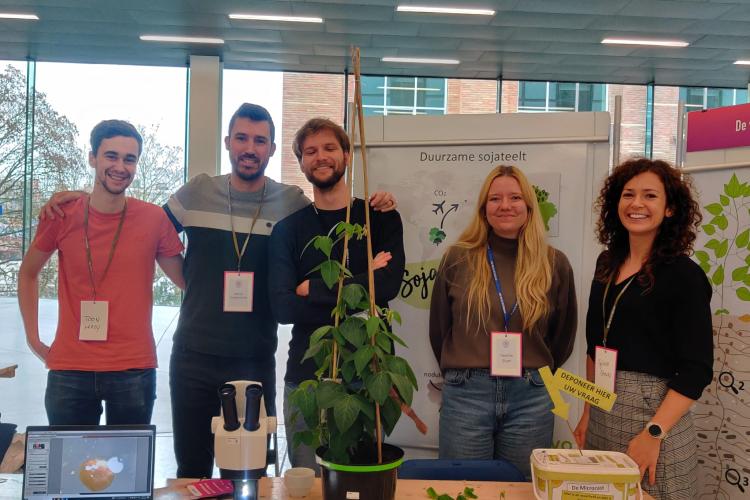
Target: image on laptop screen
(94, 462)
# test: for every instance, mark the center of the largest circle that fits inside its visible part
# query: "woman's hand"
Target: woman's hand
(580, 433)
(644, 449)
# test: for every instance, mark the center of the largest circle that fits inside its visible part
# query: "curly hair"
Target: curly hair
(676, 234)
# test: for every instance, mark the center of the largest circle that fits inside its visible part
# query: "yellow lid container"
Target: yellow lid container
(584, 475)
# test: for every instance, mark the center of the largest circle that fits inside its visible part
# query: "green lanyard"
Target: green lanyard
(608, 322)
(237, 250)
(111, 250)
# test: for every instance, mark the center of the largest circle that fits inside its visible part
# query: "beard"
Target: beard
(330, 181)
(248, 176)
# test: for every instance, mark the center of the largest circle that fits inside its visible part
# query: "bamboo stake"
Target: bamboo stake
(366, 193)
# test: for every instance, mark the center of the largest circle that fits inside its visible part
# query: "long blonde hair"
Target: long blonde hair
(533, 272)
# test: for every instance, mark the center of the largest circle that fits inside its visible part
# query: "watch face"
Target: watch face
(655, 430)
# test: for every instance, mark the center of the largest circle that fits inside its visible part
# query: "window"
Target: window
(697, 98)
(540, 97)
(403, 95)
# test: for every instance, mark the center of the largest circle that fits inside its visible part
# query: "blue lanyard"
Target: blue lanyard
(506, 315)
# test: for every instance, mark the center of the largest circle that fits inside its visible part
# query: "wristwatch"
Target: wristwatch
(655, 430)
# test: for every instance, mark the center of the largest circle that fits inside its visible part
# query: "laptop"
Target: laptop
(94, 462)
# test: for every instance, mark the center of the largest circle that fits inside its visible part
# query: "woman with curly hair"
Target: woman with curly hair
(649, 316)
(500, 287)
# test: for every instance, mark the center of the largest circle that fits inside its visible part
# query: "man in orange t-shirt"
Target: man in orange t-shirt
(107, 244)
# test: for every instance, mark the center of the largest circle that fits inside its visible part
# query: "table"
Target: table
(273, 489)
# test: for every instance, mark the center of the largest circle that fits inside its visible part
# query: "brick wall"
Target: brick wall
(471, 96)
(306, 96)
(665, 122)
(633, 128)
(509, 98)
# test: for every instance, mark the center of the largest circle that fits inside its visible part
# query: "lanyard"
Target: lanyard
(88, 246)
(608, 323)
(237, 250)
(506, 314)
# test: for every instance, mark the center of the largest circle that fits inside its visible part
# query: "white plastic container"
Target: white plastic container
(558, 474)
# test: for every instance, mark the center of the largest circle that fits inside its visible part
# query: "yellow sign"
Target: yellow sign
(577, 387)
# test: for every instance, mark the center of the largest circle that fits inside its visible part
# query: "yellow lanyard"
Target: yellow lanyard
(241, 253)
(608, 323)
(88, 246)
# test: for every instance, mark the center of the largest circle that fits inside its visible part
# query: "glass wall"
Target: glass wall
(542, 97)
(12, 168)
(403, 95)
(71, 99)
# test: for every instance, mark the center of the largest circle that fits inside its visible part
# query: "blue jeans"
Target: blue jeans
(194, 382)
(302, 455)
(75, 397)
(485, 417)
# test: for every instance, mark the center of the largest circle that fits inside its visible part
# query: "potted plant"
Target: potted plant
(362, 386)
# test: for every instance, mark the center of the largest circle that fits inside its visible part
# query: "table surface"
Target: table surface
(273, 489)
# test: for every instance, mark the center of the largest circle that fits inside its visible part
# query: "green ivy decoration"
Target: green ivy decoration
(727, 240)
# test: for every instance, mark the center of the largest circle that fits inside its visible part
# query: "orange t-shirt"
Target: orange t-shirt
(147, 233)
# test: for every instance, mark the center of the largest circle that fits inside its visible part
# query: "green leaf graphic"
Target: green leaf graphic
(714, 208)
(718, 276)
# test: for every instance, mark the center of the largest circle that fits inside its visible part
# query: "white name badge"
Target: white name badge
(94, 320)
(505, 349)
(605, 367)
(238, 291)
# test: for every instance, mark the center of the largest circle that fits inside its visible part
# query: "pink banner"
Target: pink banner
(719, 128)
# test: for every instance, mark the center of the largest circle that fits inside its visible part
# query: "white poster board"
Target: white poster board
(722, 415)
(435, 167)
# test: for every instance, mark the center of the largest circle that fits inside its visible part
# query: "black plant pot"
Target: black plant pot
(361, 481)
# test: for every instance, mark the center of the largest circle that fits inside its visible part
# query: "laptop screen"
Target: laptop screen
(94, 462)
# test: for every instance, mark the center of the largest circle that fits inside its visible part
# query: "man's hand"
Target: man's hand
(381, 260)
(644, 450)
(303, 289)
(8, 371)
(383, 201)
(51, 209)
(40, 350)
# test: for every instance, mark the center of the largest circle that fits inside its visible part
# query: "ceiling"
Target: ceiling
(555, 40)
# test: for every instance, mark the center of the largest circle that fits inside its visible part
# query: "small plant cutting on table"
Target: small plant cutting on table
(361, 386)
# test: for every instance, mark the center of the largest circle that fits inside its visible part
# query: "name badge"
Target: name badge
(238, 291)
(505, 349)
(94, 320)
(605, 367)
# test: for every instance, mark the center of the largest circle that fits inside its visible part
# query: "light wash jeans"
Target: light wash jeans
(75, 397)
(485, 417)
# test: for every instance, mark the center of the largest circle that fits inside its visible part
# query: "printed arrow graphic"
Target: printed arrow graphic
(561, 408)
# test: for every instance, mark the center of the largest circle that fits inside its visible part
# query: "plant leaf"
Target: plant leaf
(396, 364)
(314, 349)
(701, 256)
(724, 200)
(432, 493)
(384, 344)
(712, 244)
(353, 330)
(353, 294)
(390, 412)
(348, 371)
(739, 273)
(705, 266)
(722, 249)
(321, 332)
(404, 387)
(329, 271)
(372, 325)
(720, 221)
(734, 188)
(324, 244)
(328, 394)
(714, 208)
(718, 276)
(365, 407)
(708, 229)
(742, 239)
(379, 385)
(743, 294)
(362, 358)
(469, 492)
(345, 412)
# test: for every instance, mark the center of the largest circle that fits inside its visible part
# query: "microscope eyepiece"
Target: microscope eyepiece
(253, 395)
(227, 393)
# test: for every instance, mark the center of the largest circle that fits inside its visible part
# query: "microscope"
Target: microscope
(241, 435)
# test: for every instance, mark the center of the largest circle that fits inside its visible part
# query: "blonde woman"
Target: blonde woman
(503, 306)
